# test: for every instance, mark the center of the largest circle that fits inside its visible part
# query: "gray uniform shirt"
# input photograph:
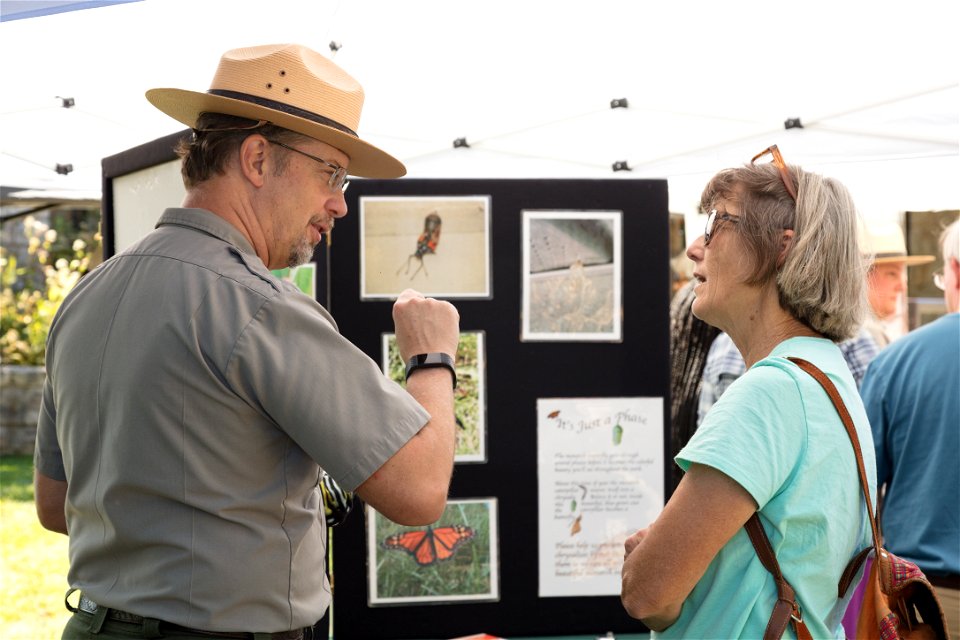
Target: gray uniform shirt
(191, 400)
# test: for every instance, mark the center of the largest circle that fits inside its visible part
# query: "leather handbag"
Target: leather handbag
(899, 601)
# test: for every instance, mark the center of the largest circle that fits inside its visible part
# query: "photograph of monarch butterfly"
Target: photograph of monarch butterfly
(432, 544)
(454, 559)
(439, 245)
(469, 396)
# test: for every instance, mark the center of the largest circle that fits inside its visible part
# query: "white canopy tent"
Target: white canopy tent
(528, 87)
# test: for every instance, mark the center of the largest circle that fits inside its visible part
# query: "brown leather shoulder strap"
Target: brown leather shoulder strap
(831, 390)
(787, 609)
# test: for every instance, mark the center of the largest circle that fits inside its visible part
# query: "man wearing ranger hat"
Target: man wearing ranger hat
(193, 400)
(887, 278)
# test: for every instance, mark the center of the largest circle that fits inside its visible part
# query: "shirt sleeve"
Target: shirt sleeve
(759, 418)
(323, 391)
(47, 456)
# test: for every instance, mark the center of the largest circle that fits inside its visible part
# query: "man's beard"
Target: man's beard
(300, 253)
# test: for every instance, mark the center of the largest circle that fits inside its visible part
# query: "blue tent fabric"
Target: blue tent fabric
(20, 9)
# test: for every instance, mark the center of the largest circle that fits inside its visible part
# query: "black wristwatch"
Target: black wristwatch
(431, 360)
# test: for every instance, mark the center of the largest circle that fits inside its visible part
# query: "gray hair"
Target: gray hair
(821, 280)
(950, 242)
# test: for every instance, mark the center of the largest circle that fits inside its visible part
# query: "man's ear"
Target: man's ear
(786, 241)
(253, 156)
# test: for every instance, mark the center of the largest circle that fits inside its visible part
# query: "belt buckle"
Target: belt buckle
(87, 605)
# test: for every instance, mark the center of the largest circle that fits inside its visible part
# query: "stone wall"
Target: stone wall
(21, 389)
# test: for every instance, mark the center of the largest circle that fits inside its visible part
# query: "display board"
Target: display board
(588, 260)
(563, 289)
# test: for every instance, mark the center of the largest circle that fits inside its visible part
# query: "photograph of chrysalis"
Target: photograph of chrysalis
(469, 397)
(572, 276)
(452, 560)
(439, 246)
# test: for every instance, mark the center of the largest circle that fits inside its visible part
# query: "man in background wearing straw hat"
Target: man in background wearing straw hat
(193, 400)
(887, 279)
(912, 396)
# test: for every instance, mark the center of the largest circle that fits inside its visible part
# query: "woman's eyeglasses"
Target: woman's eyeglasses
(781, 165)
(712, 220)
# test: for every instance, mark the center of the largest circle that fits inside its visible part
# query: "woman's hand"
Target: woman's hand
(664, 562)
(633, 541)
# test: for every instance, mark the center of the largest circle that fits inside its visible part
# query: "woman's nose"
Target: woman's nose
(695, 249)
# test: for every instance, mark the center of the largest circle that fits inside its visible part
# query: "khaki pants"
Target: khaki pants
(950, 601)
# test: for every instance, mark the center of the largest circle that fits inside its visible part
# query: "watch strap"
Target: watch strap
(429, 361)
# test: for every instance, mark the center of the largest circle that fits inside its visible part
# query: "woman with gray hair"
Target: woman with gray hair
(779, 270)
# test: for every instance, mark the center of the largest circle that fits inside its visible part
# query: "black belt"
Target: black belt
(89, 606)
(951, 581)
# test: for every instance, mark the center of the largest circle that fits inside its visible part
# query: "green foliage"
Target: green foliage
(26, 308)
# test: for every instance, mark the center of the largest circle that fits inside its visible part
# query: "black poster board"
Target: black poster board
(517, 373)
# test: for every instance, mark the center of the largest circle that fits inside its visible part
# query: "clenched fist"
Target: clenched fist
(425, 325)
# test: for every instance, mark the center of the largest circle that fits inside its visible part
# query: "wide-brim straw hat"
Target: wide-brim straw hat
(293, 87)
(885, 242)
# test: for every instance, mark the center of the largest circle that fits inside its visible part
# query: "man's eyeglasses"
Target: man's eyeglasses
(938, 280)
(338, 179)
(781, 165)
(712, 221)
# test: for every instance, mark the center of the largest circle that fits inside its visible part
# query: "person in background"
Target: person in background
(194, 402)
(912, 396)
(690, 339)
(724, 364)
(777, 269)
(887, 279)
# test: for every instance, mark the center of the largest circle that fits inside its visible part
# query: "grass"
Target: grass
(33, 561)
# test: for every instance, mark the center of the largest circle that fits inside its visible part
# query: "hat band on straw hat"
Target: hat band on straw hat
(285, 108)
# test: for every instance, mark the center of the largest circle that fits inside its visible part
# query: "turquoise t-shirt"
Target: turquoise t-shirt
(777, 434)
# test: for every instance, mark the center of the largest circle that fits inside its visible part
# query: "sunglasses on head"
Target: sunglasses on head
(781, 165)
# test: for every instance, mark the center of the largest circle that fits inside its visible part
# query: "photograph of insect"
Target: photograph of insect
(572, 274)
(400, 246)
(453, 559)
(426, 243)
(430, 545)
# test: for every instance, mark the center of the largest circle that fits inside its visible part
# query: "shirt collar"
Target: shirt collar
(207, 222)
